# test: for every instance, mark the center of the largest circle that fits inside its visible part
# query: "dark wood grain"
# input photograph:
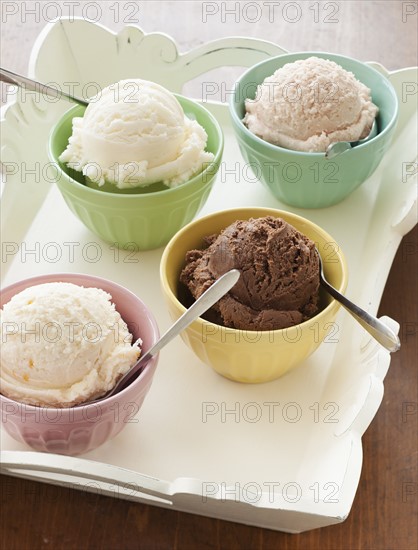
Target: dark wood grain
(384, 514)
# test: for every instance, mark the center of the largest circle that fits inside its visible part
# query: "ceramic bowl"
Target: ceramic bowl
(150, 217)
(309, 180)
(242, 355)
(77, 430)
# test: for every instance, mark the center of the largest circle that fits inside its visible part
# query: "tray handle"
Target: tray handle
(180, 69)
(226, 52)
(379, 67)
(87, 475)
(154, 55)
(366, 403)
(406, 218)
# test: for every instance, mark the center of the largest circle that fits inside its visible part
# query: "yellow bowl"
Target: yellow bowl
(244, 355)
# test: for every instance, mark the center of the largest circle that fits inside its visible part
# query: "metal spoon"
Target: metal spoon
(34, 86)
(380, 332)
(338, 147)
(202, 304)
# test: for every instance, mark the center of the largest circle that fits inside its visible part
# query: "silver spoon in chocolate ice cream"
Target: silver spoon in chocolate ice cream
(202, 304)
(338, 147)
(374, 326)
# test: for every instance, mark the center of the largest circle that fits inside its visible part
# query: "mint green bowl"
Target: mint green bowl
(149, 218)
(309, 180)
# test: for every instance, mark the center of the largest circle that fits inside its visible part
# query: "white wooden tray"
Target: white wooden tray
(284, 455)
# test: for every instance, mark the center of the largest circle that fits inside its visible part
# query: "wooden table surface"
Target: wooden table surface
(384, 513)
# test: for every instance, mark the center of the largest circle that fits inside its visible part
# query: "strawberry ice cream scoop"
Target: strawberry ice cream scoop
(308, 104)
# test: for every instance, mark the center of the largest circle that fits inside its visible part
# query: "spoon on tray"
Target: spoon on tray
(202, 304)
(380, 332)
(34, 86)
(339, 147)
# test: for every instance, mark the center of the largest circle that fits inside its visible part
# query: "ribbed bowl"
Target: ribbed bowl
(149, 218)
(309, 180)
(252, 356)
(77, 430)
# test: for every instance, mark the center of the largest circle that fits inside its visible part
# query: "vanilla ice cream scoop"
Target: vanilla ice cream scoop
(62, 344)
(135, 133)
(308, 104)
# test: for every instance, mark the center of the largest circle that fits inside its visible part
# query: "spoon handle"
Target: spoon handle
(382, 333)
(34, 86)
(202, 304)
(336, 149)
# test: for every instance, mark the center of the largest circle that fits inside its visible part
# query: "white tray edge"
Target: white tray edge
(16, 462)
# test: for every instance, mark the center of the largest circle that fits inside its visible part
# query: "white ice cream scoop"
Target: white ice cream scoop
(62, 344)
(134, 133)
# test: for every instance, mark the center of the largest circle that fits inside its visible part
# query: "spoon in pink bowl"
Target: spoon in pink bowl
(202, 304)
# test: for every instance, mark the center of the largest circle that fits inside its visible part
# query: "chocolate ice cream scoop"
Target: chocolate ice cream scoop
(279, 279)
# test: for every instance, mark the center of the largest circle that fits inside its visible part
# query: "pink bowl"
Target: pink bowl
(77, 430)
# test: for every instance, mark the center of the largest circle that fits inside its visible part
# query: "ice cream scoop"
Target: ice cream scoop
(308, 104)
(280, 274)
(62, 344)
(134, 133)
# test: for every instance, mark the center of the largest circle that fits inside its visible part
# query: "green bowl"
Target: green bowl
(148, 218)
(309, 180)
